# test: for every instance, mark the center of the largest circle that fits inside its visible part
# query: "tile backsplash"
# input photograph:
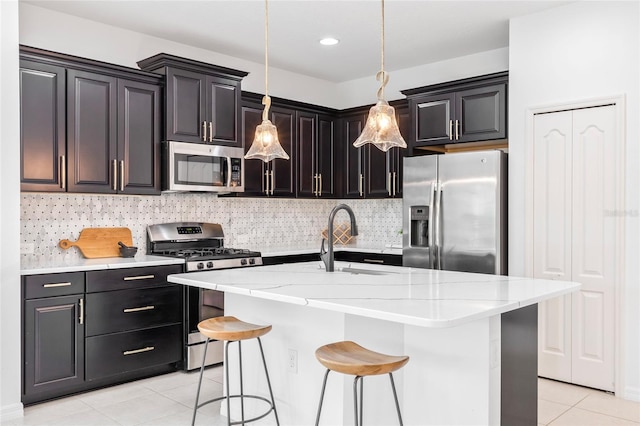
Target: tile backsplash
(254, 223)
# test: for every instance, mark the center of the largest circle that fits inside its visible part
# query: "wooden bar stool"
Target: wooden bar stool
(351, 358)
(230, 329)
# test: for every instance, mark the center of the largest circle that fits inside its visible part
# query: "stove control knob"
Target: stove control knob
(252, 261)
(209, 265)
(200, 265)
(243, 262)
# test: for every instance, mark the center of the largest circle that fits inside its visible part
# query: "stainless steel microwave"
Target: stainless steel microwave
(204, 168)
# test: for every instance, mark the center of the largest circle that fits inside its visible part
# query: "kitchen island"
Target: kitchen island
(472, 339)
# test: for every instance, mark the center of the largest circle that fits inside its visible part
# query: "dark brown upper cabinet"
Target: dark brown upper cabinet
(42, 127)
(277, 177)
(88, 126)
(316, 149)
(367, 171)
(469, 110)
(202, 102)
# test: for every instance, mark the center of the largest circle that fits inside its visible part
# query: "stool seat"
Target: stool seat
(231, 329)
(350, 358)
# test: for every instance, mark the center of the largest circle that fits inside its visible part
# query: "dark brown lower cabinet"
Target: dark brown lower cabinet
(54, 345)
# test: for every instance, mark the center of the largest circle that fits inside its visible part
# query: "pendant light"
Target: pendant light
(381, 128)
(266, 145)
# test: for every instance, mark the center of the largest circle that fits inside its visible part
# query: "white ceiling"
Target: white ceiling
(416, 32)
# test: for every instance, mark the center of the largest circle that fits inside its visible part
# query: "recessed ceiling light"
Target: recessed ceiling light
(329, 41)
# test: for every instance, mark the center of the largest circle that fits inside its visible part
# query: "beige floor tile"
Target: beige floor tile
(87, 418)
(50, 411)
(610, 405)
(214, 373)
(561, 393)
(169, 381)
(144, 409)
(579, 417)
(549, 411)
(113, 395)
(184, 418)
(186, 394)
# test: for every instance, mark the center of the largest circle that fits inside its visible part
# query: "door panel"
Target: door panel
(283, 180)
(481, 113)
(307, 159)
(324, 154)
(593, 257)
(433, 119)
(354, 178)
(254, 170)
(222, 106)
(185, 105)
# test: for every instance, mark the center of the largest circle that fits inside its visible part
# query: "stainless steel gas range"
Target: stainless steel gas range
(201, 245)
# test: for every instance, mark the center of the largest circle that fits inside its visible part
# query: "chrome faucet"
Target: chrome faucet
(327, 256)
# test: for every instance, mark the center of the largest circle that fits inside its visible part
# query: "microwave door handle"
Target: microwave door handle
(229, 172)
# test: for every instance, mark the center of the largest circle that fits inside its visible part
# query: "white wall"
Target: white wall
(577, 52)
(10, 405)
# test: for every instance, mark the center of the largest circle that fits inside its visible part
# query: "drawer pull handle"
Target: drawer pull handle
(143, 308)
(140, 277)
(56, 285)
(137, 351)
(374, 260)
(81, 319)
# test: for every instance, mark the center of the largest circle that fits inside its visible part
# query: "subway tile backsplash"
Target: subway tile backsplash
(254, 223)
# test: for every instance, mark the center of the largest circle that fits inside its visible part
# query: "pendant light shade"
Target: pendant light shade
(381, 128)
(266, 145)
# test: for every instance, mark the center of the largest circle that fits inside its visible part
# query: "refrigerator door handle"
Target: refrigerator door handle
(437, 227)
(430, 228)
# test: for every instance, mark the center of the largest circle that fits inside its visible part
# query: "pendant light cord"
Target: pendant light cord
(382, 76)
(266, 100)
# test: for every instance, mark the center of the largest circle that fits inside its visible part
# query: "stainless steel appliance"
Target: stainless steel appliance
(201, 245)
(455, 212)
(200, 167)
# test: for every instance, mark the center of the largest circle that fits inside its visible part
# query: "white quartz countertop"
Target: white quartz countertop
(33, 265)
(304, 248)
(421, 297)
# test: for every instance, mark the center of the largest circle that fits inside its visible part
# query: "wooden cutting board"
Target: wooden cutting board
(100, 242)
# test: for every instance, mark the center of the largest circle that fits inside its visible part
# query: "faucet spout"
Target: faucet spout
(327, 257)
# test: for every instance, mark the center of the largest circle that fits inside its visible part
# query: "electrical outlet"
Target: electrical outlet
(26, 248)
(293, 361)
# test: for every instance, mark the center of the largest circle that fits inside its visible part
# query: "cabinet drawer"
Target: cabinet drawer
(120, 279)
(114, 311)
(48, 285)
(119, 353)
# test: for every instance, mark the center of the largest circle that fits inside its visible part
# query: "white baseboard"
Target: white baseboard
(632, 394)
(10, 412)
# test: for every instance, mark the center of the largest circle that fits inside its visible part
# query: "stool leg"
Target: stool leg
(324, 385)
(195, 407)
(355, 400)
(226, 379)
(266, 373)
(395, 397)
(241, 387)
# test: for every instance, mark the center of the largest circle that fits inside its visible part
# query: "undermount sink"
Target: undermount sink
(362, 271)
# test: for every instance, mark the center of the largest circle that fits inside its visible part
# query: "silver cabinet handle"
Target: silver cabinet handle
(361, 185)
(56, 285)
(315, 184)
(389, 183)
(394, 184)
(63, 172)
(211, 131)
(115, 175)
(139, 277)
(457, 129)
(142, 308)
(272, 182)
(204, 131)
(137, 351)
(450, 130)
(266, 182)
(373, 260)
(81, 319)
(121, 175)
(320, 190)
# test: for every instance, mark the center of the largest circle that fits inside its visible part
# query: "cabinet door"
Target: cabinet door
(42, 127)
(353, 171)
(433, 119)
(92, 135)
(138, 138)
(481, 114)
(185, 116)
(308, 181)
(378, 176)
(223, 100)
(397, 154)
(325, 155)
(283, 171)
(53, 345)
(254, 170)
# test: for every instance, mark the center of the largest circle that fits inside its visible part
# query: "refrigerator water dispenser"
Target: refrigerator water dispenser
(420, 226)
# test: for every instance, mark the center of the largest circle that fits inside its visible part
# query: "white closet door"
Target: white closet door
(552, 238)
(593, 254)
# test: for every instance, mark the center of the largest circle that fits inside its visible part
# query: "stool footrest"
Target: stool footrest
(221, 398)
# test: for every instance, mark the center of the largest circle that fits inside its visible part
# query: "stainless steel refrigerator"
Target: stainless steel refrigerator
(455, 212)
